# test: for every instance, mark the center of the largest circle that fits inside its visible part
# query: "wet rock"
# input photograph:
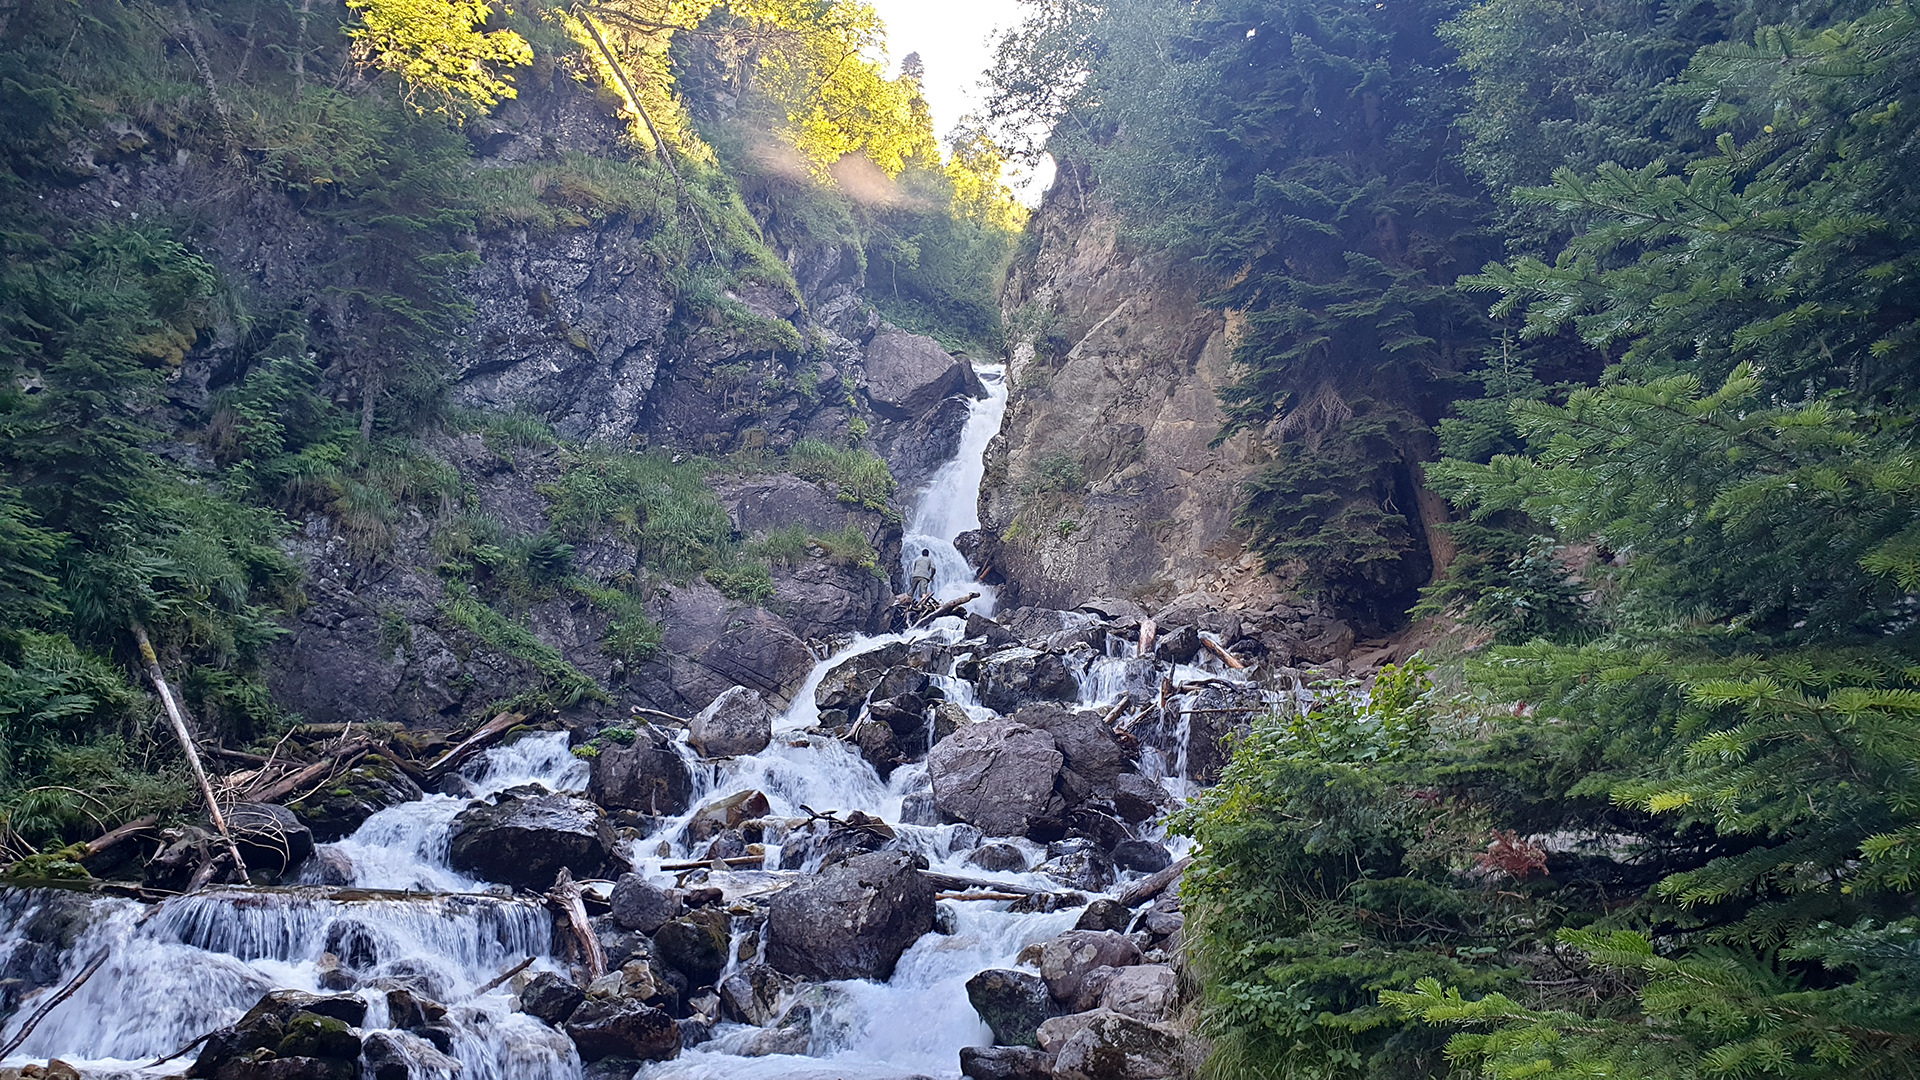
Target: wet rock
(1145, 992)
(879, 746)
(550, 997)
(1077, 864)
(328, 866)
(271, 839)
(405, 1009)
(1012, 1003)
(1092, 986)
(1018, 676)
(852, 920)
(1137, 798)
(337, 810)
(908, 374)
(396, 1055)
(313, 1031)
(353, 944)
(1089, 821)
(1104, 914)
(998, 775)
(1164, 917)
(728, 813)
(847, 683)
(735, 723)
(647, 776)
(981, 627)
(751, 995)
(622, 1028)
(1000, 858)
(527, 834)
(640, 905)
(919, 809)
(1066, 960)
(1145, 856)
(696, 944)
(1005, 1063)
(1178, 646)
(793, 1034)
(1111, 1044)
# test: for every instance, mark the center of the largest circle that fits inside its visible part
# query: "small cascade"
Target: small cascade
(184, 967)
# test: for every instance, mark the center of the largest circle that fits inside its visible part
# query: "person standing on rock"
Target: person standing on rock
(922, 573)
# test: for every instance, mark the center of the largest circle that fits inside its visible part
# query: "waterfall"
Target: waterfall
(950, 503)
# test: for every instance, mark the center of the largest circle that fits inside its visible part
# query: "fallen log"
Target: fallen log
(1220, 651)
(473, 743)
(977, 896)
(311, 774)
(66, 992)
(565, 895)
(656, 714)
(502, 977)
(1152, 885)
(178, 720)
(240, 756)
(109, 839)
(944, 610)
(1114, 713)
(709, 864)
(955, 883)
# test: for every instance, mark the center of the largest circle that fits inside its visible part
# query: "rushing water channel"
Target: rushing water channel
(191, 964)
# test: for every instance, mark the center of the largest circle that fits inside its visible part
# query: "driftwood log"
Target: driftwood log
(944, 610)
(565, 895)
(178, 720)
(344, 757)
(1220, 651)
(1153, 884)
(474, 743)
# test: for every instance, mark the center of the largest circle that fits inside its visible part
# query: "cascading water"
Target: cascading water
(950, 503)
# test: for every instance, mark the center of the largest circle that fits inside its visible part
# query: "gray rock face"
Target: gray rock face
(1066, 960)
(998, 858)
(550, 998)
(1114, 1045)
(1013, 1003)
(567, 324)
(1104, 914)
(1085, 869)
(1137, 798)
(737, 722)
(623, 1028)
(908, 374)
(1144, 992)
(270, 837)
(751, 995)
(1005, 1063)
(997, 775)
(646, 776)
(1019, 676)
(847, 683)
(527, 834)
(640, 905)
(851, 920)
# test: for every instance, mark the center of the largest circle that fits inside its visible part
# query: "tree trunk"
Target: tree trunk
(179, 721)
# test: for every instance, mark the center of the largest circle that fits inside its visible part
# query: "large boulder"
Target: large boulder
(647, 776)
(335, 810)
(1089, 753)
(998, 775)
(852, 920)
(618, 1027)
(639, 904)
(1145, 992)
(1005, 1063)
(908, 374)
(1066, 960)
(1012, 1003)
(550, 997)
(1019, 676)
(846, 684)
(1111, 1045)
(270, 837)
(527, 834)
(737, 722)
(314, 1032)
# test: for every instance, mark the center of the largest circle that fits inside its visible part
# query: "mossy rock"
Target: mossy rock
(367, 788)
(314, 1036)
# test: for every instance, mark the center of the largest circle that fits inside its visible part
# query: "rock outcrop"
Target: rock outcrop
(997, 775)
(851, 920)
(526, 835)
